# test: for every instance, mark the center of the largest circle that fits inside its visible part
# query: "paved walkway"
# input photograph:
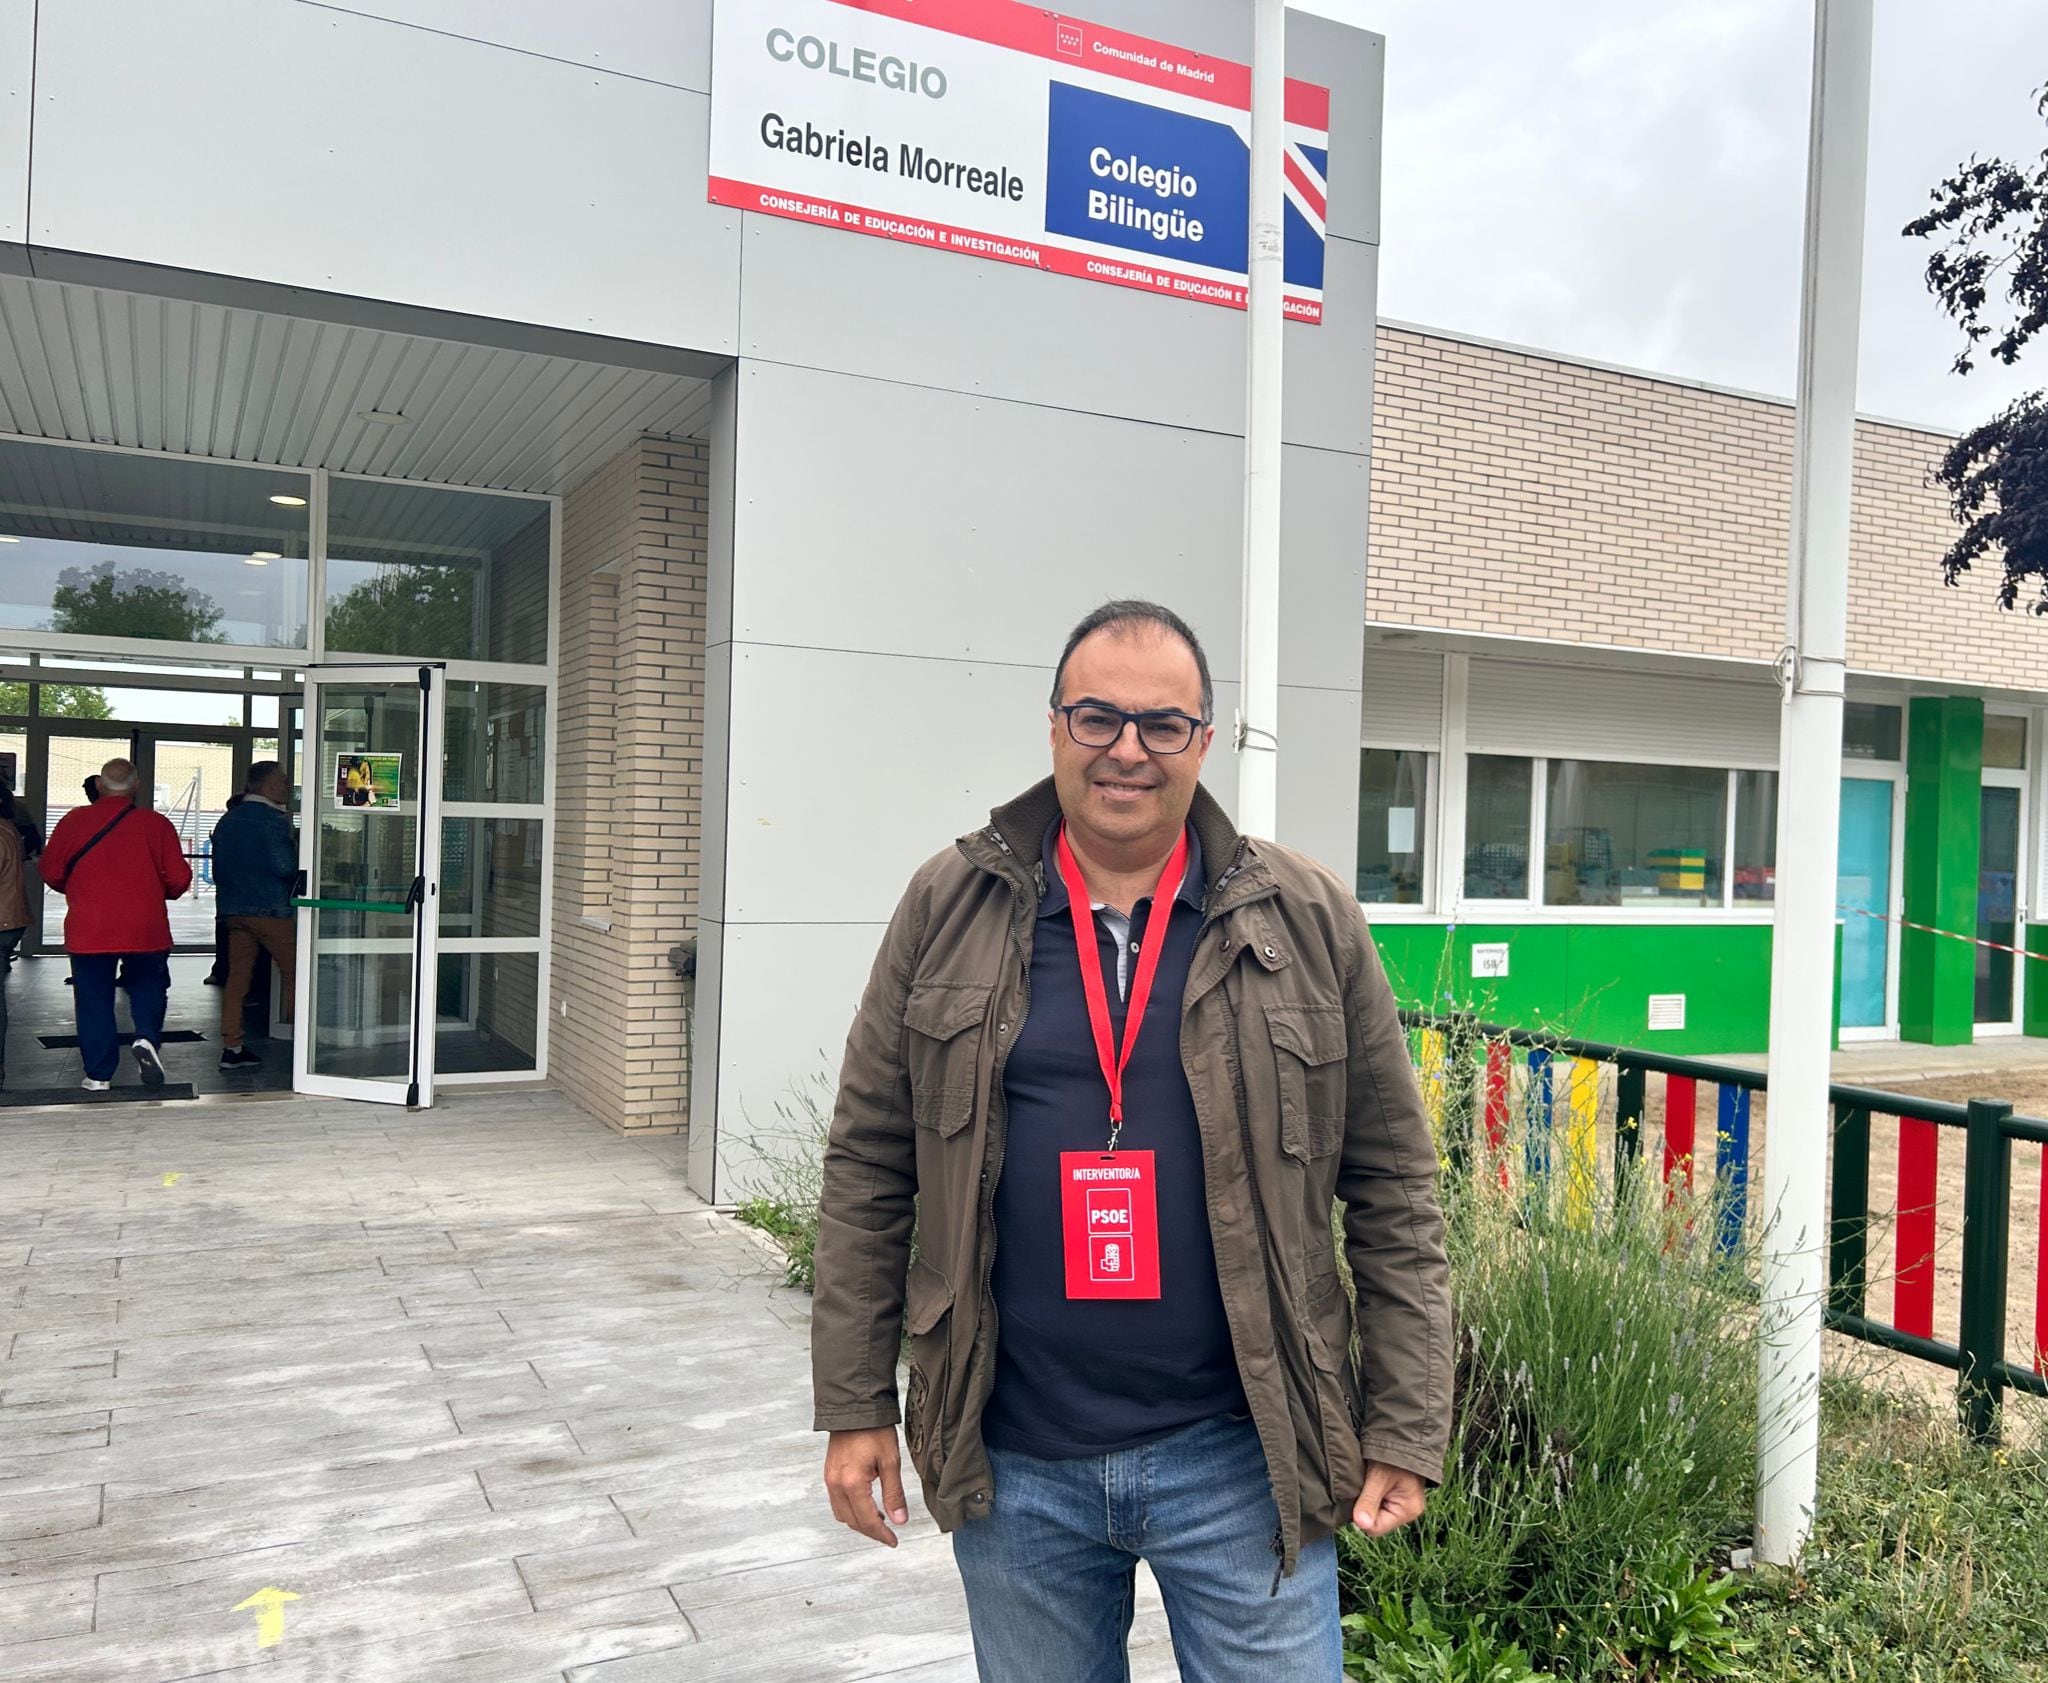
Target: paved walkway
(486, 1389)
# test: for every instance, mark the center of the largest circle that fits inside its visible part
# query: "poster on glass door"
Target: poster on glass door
(366, 780)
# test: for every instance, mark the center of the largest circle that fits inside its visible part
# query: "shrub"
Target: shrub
(789, 1170)
(1604, 1421)
(1403, 1644)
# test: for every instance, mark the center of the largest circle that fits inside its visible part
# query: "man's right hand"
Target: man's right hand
(853, 1461)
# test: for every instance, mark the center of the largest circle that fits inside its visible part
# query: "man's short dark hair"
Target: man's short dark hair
(259, 774)
(1131, 614)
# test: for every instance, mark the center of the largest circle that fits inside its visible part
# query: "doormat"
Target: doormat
(24, 1096)
(172, 1037)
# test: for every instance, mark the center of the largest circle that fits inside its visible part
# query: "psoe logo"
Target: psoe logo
(1067, 37)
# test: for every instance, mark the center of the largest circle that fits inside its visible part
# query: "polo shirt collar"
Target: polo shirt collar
(1193, 886)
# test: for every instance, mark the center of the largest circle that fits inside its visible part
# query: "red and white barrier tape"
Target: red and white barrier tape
(1928, 928)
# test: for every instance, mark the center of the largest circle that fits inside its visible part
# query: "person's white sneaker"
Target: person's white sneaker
(152, 1065)
(92, 1086)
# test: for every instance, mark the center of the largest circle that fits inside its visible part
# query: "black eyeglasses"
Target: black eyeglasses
(1095, 724)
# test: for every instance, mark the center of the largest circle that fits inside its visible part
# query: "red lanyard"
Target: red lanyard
(1115, 1062)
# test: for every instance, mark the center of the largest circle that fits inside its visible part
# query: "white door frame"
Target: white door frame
(418, 1089)
(2016, 780)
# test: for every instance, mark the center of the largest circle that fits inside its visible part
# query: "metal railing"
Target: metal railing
(1989, 1128)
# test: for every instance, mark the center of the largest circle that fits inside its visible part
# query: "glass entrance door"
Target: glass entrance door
(1864, 893)
(1998, 868)
(370, 848)
(60, 759)
(188, 776)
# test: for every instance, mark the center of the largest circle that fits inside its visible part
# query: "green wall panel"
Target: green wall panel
(1592, 981)
(1944, 775)
(2034, 1011)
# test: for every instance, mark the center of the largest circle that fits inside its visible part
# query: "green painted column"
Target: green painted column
(1944, 775)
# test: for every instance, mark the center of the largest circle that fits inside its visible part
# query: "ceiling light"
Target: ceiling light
(284, 501)
(262, 558)
(382, 418)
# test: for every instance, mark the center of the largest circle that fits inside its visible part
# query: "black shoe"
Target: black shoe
(214, 980)
(239, 1057)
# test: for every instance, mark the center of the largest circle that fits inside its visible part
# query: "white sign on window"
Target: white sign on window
(1400, 829)
(1489, 959)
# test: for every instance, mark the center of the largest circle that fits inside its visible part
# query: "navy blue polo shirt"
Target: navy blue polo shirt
(1092, 1377)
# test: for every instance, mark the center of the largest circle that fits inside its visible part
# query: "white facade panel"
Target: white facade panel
(326, 149)
(900, 757)
(655, 40)
(1019, 519)
(853, 305)
(1318, 806)
(1649, 718)
(811, 976)
(1403, 703)
(17, 86)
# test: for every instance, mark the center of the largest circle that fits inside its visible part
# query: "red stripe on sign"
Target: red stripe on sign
(1913, 1282)
(1311, 194)
(1000, 248)
(1108, 52)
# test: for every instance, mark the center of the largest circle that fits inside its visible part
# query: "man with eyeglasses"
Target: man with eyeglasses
(1118, 1135)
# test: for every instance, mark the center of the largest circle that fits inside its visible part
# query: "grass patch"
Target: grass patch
(1928, 1561)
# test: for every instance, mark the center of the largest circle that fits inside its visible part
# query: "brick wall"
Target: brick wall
(629, 747)
(1518, 493)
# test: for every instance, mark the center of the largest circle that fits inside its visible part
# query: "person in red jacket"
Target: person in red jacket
(117, 865)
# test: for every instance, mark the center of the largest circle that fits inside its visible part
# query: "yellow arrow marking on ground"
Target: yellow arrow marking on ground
(173, 1179)
(268, 1606)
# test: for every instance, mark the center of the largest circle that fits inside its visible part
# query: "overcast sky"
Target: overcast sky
(1626, 181)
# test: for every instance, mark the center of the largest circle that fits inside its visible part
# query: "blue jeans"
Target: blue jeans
(1051, 1572)
(146, 976)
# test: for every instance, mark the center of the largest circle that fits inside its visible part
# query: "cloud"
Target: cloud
(1627, 182)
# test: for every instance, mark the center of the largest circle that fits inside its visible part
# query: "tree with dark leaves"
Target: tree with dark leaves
(1991, 276)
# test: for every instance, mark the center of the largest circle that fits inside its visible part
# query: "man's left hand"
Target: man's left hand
(1392, 1497)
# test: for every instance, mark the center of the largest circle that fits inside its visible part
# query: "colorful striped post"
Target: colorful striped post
(1681, 1121)
(1536, 1100)
(1581, 1141)
(1731, 1166)
(1433, 1074)
(1496, 1112)
(1913, 1273)
(2041, 1276)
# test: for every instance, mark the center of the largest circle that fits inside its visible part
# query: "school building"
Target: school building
(637, 464)
(1568, 784)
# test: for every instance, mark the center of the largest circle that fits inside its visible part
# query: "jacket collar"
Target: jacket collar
(1010, 846)
(1052, 899)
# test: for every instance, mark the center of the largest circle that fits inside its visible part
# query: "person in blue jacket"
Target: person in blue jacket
(255, 864)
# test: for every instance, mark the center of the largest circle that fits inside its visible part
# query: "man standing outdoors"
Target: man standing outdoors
(117, 865)
(255, 864)
(1115, 1061)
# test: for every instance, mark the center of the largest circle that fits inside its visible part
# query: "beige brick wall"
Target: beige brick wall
(1518, 493)
(629, 742)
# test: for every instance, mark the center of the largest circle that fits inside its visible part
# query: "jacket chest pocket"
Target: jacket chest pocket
(1309, 1047)
(942, 1053)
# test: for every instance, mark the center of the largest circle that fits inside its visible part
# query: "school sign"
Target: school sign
(998, 130)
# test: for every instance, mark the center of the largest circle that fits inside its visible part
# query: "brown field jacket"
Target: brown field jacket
(1303, 1091)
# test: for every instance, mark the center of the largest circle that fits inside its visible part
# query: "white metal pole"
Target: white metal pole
(1810, 785)
(1256, 737)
